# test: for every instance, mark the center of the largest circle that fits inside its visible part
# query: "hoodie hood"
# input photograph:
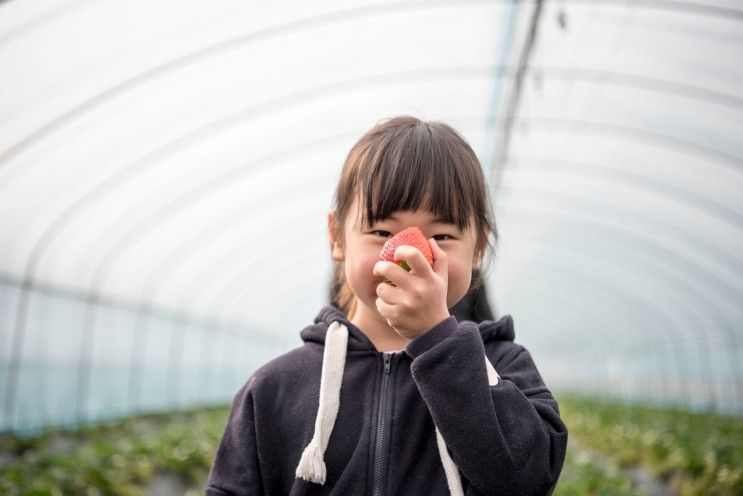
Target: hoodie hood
(499, 330)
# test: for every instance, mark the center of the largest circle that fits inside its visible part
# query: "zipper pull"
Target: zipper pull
(387, 360)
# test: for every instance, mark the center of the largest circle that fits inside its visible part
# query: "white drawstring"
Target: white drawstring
(450, 468)
(493, 376)
(312, 464)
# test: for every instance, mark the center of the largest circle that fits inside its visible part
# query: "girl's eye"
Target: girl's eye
(383, 234)
(441, 237)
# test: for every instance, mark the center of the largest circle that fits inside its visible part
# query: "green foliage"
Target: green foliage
(116, 459)
(584, 475)
(693, 453)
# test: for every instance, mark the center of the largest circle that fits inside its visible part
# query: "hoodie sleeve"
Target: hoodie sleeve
(235, 470)
(505, 439)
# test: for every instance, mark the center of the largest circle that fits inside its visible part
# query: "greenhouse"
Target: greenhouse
(167, 170)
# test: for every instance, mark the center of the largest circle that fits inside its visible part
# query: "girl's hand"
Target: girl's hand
(418, 301)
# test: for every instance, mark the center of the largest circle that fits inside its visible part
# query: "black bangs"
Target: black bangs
(418, 169)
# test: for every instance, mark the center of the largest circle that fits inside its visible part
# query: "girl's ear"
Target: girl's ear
(336, 247)
(477, 260)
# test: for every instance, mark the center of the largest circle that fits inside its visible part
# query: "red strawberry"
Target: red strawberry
(412, 236)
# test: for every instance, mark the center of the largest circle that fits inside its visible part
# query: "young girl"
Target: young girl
(390, 394)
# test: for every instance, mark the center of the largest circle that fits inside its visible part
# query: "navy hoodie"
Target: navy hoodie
(506, 439)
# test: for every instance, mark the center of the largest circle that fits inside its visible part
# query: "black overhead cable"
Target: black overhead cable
(501, 151)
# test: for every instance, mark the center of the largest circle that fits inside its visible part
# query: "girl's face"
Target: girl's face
(359, 250)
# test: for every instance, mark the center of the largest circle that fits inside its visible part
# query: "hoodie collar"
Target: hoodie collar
(500, 330)
(357, 340)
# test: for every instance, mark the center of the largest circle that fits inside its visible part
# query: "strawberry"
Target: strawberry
(412, 236)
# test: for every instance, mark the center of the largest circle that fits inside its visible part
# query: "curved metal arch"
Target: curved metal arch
(680, 367)
(151, 288)
(285, 241)
(690, 289)
(141, 330)
(178, 318)
(731, 263)
(40, 19)
(645, 83)
(547, 340)
(199, 279)
(118, 303)
(259, 35)
(247, 264)
(657, 85)
(629, 133)
(578, 204)
(142, 319)
(678, 6)
(616, 296)
(576, 355)
(180, 255)
(175, 362)
(628, 17)
(690, 311)
(140, 333)
(640, 82)
(664, 5)
(671, 142)
(642, 243)
(636, 181)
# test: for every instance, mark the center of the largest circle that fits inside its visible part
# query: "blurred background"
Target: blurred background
(166, 169)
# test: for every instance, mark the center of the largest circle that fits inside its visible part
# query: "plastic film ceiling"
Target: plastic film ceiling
(166, 169)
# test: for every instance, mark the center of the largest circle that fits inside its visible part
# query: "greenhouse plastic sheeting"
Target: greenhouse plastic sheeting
(166, 169)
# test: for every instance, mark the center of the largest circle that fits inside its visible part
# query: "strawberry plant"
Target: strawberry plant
(692, 453)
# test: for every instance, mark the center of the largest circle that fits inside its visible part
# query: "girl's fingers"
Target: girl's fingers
(414, 258)
(388, 293)
(391, 271)
(385, 309)
(440, 262)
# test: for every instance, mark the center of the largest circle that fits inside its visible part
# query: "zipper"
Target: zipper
(380, 455)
